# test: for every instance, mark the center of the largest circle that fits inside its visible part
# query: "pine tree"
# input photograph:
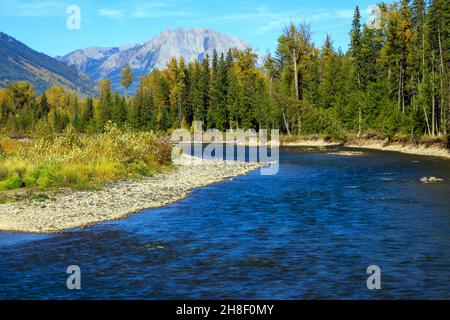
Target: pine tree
(327, 74)
(76, 119)
(196, 91)
(213, 92)
(105, 104)
(217, 107)
(205, 83)
(42, 110)
(355, 45)
(233, 98)
(177, 79)
(119, 110)
(368, 55)
(355, 54)
(87, 118)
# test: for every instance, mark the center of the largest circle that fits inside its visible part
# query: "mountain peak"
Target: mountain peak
(144, 57)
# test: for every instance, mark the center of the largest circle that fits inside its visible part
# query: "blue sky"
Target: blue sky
(41, 24)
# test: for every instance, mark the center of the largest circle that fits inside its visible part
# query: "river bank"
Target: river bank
(435, 150)
(424, 149)
(76, 209)
(311, 143)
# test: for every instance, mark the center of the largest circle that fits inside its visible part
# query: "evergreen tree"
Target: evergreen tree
(205, 83)
(119, 110)
(76, 118)
(355, 45)
(327, 74)
(178, 84)
(87, 118)
(43, 107)
(217, 107)
(105, 104)
(197, 91)
(357, 62)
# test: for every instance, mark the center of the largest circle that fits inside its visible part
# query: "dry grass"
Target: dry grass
(9, 146)
(71, 160)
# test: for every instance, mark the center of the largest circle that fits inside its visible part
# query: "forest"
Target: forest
(392, 81)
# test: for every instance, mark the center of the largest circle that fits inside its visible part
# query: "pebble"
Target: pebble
(77, 209)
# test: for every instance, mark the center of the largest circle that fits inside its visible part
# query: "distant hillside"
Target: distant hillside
(19, 62)
(191, 44)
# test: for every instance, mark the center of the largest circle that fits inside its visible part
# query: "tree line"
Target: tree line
(394, 79)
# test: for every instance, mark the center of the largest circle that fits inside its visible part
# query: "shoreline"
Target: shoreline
(300, 143)
(375, 144)
(382, 145)
(311, 143)
(117, 200)
(433, 150)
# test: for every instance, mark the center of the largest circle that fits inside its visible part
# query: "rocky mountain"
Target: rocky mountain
(191, 44)
(19, 62)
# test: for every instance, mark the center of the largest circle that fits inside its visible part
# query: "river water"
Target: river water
(309, 232)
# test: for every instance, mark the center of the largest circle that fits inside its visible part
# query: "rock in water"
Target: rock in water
(430, 180)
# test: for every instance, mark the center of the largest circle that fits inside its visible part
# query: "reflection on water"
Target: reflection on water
(309, 232)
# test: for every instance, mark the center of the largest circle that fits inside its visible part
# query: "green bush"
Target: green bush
(29, 181)
(139, 169)
(44, 179)
(11, 184)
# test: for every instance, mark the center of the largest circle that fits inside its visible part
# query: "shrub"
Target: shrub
(78, 161)
(29, 182)
(44, 180)
(11, 184)
(139, 168)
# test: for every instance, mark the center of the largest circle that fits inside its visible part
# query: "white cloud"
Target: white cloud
(141, 13)
(269, 20)
(34, 8)
(264, 18)
(278, 20)
(111, 13)
(146, 10)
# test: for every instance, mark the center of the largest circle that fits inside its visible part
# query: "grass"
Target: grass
(9, 145)
(79, 162)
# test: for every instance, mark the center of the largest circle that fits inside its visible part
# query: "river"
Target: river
(309, 232)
